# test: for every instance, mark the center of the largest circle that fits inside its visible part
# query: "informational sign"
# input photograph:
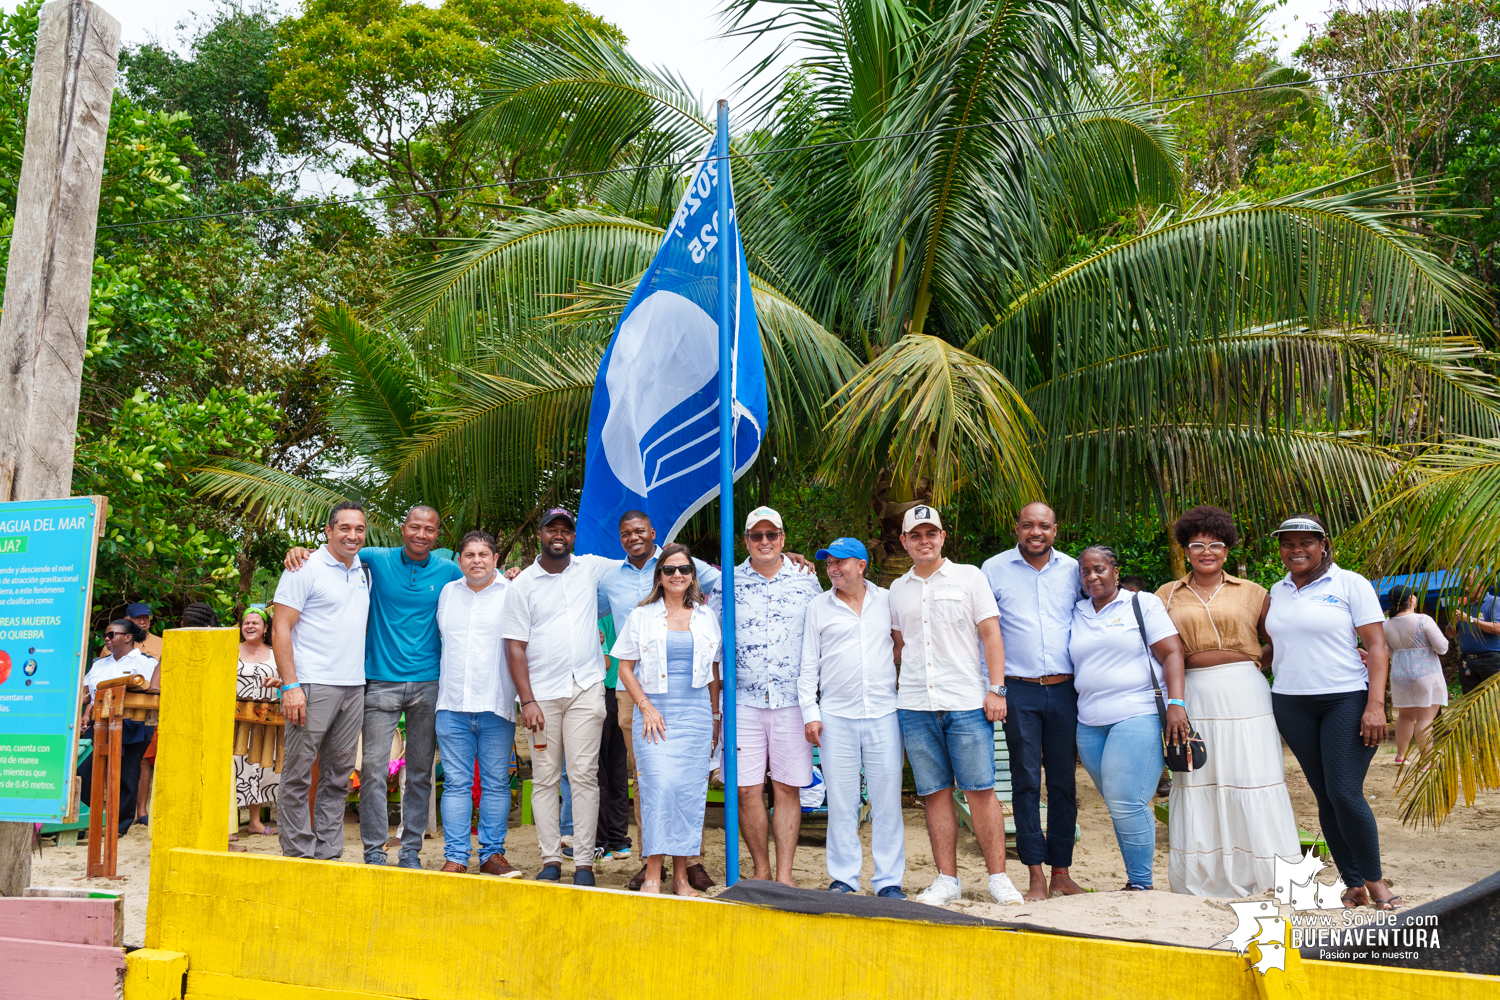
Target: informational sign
(47, 550)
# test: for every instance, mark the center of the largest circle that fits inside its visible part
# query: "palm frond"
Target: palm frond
(1438, 513)
(274, 498)
(509, 434)
(1461, 755)
(506, 279)
(933, 414)
(1170, 464)
(378, 377)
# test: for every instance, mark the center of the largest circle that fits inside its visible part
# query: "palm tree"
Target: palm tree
(1440, 513)
(976, 277)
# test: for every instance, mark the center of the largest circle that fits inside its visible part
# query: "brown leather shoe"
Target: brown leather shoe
(499, 867)
(634, 885)
(454, 866)
(699, 878)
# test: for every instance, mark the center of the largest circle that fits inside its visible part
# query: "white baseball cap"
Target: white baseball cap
(764, 514)
(921, 514)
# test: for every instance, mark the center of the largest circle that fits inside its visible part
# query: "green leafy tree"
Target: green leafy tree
(393, 81)
(1182, 48)
(1408, 112)
(161, 543)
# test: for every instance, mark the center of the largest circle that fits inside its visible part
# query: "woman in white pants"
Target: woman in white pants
(847, 693)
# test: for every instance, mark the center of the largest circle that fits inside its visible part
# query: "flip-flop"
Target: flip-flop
(1389, 903)
(1350, 903)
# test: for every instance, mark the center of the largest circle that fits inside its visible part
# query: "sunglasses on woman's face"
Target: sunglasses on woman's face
(115, 635)
(673, 570)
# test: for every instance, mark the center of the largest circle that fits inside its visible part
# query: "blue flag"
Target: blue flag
(654, 424)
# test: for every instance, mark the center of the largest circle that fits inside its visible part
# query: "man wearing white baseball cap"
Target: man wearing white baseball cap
(943, 612)
(771, 595)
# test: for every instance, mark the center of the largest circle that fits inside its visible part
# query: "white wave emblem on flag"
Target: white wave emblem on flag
(666, 352)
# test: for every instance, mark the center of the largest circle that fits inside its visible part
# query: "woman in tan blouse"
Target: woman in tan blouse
(1229, 821)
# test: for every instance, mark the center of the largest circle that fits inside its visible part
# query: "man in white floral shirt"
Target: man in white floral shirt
(771, 595)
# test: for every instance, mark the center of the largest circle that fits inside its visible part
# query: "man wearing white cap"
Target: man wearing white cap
(848, 654)
(770, 606)
(943, 612)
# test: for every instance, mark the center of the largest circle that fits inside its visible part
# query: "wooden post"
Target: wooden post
(43, 329)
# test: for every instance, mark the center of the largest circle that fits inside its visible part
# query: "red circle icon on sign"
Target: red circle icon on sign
(4, 666)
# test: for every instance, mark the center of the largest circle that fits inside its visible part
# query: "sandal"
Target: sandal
(652, 886)
(1350, 898)
(1132, 887)
(1389, 903)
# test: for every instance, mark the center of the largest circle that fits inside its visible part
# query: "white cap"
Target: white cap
(921, 514)
(764, 514)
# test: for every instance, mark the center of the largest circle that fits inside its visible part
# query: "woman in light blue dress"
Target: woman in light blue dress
(668, 653)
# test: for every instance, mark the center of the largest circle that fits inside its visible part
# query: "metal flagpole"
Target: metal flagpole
(726, 514)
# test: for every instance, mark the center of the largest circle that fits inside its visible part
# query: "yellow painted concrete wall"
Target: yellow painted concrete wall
(338, 930)
(268, 928)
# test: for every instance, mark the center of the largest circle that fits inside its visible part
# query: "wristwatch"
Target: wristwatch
(998, 689)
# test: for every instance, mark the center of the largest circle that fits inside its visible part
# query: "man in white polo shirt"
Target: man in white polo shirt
(944, 611)
(847, 694)
(552, 647)
(318, 636)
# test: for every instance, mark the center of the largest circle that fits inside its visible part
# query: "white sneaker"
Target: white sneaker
(1004, 893)
(941, 892)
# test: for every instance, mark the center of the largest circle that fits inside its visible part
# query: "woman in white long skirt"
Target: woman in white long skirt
(1229, 821)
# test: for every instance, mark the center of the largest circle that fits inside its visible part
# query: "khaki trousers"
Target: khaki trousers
(573, 729)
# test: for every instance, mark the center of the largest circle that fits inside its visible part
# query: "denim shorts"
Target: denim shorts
(949, 749)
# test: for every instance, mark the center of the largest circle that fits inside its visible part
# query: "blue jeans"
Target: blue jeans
(462, 738)
(948, 749)
(565, 827)
(1125, 762)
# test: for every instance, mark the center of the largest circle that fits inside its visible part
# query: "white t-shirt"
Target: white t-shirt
(1312, 631)
(1110, 666)
(328, 641)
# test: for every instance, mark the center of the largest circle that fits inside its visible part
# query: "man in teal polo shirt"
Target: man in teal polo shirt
(403, 654)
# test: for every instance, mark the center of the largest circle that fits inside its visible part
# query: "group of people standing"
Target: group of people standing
(1050, 648)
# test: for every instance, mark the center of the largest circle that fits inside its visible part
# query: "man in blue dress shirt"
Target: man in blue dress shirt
(1036, 587)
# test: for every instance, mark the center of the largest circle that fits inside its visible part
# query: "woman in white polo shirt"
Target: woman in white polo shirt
(1330, 705)
(1120, 737)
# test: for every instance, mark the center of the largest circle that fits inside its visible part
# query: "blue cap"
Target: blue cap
(845, 548)
(137, 609)
(558, 512)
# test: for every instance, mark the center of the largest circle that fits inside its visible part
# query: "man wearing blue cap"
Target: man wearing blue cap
(847, 693)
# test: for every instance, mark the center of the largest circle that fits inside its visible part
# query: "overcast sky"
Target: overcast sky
(676, 33)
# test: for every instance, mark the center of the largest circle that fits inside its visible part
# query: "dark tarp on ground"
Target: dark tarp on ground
(1467, 924)
(776, 896)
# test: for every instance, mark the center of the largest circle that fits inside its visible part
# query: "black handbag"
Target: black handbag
(1188, 756)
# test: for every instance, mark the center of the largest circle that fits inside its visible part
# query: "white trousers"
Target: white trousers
(874, 745)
